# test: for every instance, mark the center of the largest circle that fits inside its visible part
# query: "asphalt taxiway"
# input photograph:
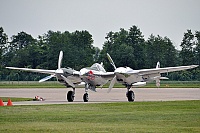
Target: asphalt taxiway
(58, 95)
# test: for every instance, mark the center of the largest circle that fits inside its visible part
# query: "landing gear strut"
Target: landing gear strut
(86, 96)
(70, 95)
(130, 94)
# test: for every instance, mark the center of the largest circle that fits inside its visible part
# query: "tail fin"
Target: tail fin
(102, 64)
(158, 65)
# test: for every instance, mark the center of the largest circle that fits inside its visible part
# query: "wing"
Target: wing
(51, 72)
(162, 70)
(106, 75)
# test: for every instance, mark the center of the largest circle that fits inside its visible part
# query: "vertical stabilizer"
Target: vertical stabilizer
(158, 65)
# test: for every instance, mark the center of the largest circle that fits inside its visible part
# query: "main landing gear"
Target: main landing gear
(71, 94)
(130, 94)
(86, 96)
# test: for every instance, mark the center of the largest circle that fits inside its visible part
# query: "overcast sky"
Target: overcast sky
(169, 18)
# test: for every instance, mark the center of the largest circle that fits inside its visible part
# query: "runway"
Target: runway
(58, 95)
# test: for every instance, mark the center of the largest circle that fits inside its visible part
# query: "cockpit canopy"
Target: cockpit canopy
(97, 67)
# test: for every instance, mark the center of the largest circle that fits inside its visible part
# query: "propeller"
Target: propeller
(60, 59)
(46, 78)
(59, 71)
(113, 81)
(111, 61)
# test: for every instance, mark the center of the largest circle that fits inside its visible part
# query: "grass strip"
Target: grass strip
(175, 116)
(15, 99)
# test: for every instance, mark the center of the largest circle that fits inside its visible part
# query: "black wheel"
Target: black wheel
(85, 97)
(131, 96)
(70, 96)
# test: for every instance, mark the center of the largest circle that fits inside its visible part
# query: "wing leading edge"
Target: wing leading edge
(51, 72)
(161, 70)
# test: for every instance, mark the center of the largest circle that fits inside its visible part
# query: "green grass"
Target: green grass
(54, 84)
(30, 84)
(176, 116)
(15, 99)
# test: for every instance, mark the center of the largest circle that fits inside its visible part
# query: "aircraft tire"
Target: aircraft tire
(85, 97)
(131, 96)
(70, 96)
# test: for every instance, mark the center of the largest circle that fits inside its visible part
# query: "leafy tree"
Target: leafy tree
(196, 72)
(77, 48)
(162, 50)
(126, 48)
(81, 49)
(16, 51)
(3, 39)
(21, 40)
(97, 53)
(3, 42)
(187, 45)
(197, 47)
(136, 40)
(52, 43)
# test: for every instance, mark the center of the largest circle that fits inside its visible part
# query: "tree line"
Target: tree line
(126, 47)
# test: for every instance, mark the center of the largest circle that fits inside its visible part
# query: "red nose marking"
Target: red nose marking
(91, 75)
(90, 72)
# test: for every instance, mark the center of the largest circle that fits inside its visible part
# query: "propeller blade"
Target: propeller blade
(68, 81)
(111, 61)
(60, 59)
(112, 83)
(46, 78)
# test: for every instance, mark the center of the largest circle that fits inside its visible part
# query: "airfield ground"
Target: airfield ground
(58, 95)
(120, 117)
(163, 110)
